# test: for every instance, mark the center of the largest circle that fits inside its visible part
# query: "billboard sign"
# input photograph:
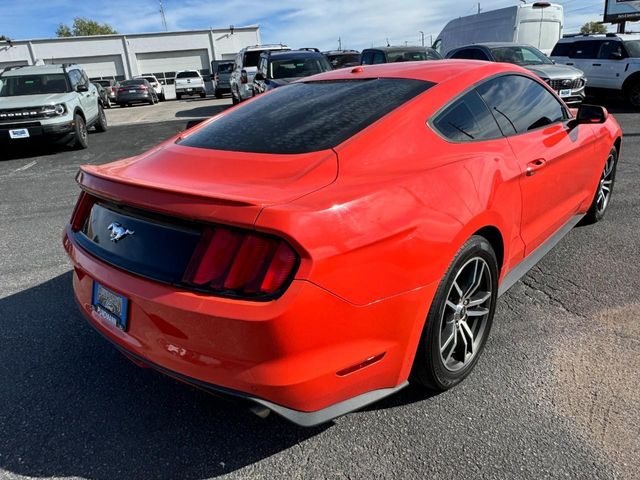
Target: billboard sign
(619, 10)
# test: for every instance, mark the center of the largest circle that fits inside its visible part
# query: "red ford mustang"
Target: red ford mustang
(319, 247)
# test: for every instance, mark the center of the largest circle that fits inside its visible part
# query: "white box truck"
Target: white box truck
(538, 24)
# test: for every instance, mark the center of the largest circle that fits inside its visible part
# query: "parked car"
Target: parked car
(610, 62)
(361, 247)
(343, 58)
(537, 23)
(277, 68)
(136, 90)
(111, 86)
(157, 86)
(244, 69)
(567, 81)
(56, 102)
(221, 77)
(189, 82)
(103, 95)
(374, 56)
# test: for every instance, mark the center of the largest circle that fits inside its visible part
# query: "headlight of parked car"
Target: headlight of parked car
(54, 110)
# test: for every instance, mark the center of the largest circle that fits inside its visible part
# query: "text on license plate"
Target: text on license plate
(110, 306)
(565, 92)
(132, 91)
(19, 133)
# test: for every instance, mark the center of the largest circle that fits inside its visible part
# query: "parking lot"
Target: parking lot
(555, 395)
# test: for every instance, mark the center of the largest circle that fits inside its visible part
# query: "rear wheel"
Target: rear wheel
(81, 136)
(218, 94)
(235, 100)
(179, 96)
(604, 191)
(459, 319)
(633, 94)
(203, 95)
(101, 124)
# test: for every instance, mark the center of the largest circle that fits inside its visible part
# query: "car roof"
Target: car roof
(409, 48)
(341, 52)
(293, 54)
(496, 45)
(611, 36)
(37, 70)
(436, 71)
(271, 46)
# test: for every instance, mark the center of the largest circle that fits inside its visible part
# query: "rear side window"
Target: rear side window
(610, 50)
(585, 49)
(467, 119)
(520, 104)
(562, 49)
(470, 54)
(306, 117)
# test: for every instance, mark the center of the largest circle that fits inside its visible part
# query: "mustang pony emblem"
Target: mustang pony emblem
(118, 231)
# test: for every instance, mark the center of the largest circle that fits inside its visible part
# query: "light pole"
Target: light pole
(422, 34)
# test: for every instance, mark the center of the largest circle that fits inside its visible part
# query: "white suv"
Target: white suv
(244, 69)
(53, 101)
(189, 82)
(610, 62)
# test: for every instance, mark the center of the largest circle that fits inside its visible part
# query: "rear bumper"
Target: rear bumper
(287, 355)
(190, 90)
(133, 97)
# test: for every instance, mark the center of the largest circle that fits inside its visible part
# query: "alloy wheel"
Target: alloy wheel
(464, 319)
(606, 183)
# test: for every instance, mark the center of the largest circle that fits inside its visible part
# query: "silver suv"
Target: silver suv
(53, 101)
(567, 81)
(244, 69)
(610, 62)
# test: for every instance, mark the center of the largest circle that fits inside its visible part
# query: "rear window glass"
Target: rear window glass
(139, 81)
(187, 74)
(225, 68)
(306, 117)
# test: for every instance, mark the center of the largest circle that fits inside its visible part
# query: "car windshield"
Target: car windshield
(297, 67)
(34, 84)
(520, 56)
(307, 116)
(412, 55)
(633, 48)
(150, 79)
(187, 75)
(338, 61)
(225, 67)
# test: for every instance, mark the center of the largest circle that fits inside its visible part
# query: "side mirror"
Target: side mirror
(243, 76)
(616, 56)
(82, 87)
(259, 76)
(590, 114)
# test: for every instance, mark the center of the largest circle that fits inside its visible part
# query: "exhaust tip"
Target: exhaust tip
(260, 410)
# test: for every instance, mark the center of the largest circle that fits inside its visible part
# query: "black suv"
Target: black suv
(343, 58)
(277, 68)
(373, 56)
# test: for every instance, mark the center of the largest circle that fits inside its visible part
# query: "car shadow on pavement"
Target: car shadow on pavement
(206, 111)
(71, 405)
(29, 148)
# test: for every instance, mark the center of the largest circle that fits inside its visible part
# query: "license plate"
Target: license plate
(110, 306)
(132, 91)
(19, 133)
(189, 89)
(565, 92)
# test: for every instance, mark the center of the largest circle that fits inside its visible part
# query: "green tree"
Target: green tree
(593, 27)
(3, 37)
(84, 27)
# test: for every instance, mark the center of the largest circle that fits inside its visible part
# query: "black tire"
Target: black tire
(151, 101)
(81, 135)
(602, 198)
(101, 124)
(161, 97)
(108, 103)
(218, 94)
(430, 370)
(632, 93)
(234, 100)
(178, 96)
(203, 95)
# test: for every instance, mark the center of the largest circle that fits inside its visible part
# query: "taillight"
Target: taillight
(121, 90)
(241, 263)
(216, 77)
(81, 212)
(143, 87)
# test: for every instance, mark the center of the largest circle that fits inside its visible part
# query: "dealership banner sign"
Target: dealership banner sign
(618, 10)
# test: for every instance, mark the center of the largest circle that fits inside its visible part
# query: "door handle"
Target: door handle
(596, 64)
(533, 167)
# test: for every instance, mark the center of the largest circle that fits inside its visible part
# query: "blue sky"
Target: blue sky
(299, 23)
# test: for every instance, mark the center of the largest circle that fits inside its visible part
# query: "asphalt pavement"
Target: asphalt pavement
(555, 394)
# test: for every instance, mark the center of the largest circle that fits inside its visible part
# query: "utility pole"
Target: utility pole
(422, 34)
(164, 19)
(339, 43)
(479, 7)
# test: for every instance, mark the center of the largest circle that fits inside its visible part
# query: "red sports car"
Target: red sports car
(321, 246)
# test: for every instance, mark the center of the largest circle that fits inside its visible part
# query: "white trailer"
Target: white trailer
(538, 24)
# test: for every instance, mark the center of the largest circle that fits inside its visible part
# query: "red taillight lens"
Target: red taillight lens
(81, 212)
(121, 90)
(143, 87)
(241, 263)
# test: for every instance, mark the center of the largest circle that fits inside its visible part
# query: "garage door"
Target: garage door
(153, 62)
(96, 67)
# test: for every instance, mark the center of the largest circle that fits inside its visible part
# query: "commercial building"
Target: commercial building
(124, 56)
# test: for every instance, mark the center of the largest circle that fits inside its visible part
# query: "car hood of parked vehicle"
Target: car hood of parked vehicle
(241, 177)
(555, 71)
(20, 101)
